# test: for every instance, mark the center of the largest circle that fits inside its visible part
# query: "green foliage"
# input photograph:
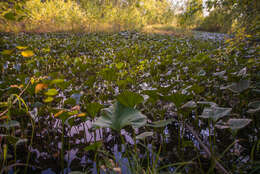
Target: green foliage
(218, 20)
(118, 116)
(73, 79)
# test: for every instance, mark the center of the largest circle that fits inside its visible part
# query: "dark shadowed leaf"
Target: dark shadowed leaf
(144, 135)
(160, 123)
(240, 86)
(215, 113)
(93, 109)
(236, 124)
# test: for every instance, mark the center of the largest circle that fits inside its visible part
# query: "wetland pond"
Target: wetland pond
(129, 103)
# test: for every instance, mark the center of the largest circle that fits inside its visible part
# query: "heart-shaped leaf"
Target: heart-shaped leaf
(93, 109)
(178, 99)
(130, 99)
(118, 116)
(215, 113)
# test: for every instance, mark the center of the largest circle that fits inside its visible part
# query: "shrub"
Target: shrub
(55, 15)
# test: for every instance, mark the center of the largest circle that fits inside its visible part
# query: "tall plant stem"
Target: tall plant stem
(219, 167)
(29, 153)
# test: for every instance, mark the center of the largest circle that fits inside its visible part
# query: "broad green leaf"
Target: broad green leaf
(240, 86)
(7, 52)
(118, 116)
(119, 65)
(130, 99)
(27, 53)
(48, 99)
(10, 16)
(57, 81)
(177, 98)
(51, 92)
(160, 123)
(236, 124)
(95, 146)
(21, 47)
(63, 115)
(93, 109)
(215, 113)
(144, 135)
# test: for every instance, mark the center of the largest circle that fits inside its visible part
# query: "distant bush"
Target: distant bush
(216, 21)
(55, 15)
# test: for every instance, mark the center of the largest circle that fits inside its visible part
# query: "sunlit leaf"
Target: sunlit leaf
(48, 99)
(27, 53)
(21, 47)
(57, 81)
(40, 86)
(51, 92)
(7, 52)
(119, 65)
(81, 115)
(59, 113)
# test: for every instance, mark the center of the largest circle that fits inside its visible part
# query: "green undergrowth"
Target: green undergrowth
(185, 105)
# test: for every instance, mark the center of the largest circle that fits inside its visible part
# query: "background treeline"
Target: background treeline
(113, 15)
(88, 15)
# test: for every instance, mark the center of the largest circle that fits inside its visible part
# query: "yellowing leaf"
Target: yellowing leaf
(16, 86)
(81, 115)
(40, 87)
(27, 53)
(32, 80)
(4, 117)
(58, 113)
(21, 47)
(48, 99)
(7, 52)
